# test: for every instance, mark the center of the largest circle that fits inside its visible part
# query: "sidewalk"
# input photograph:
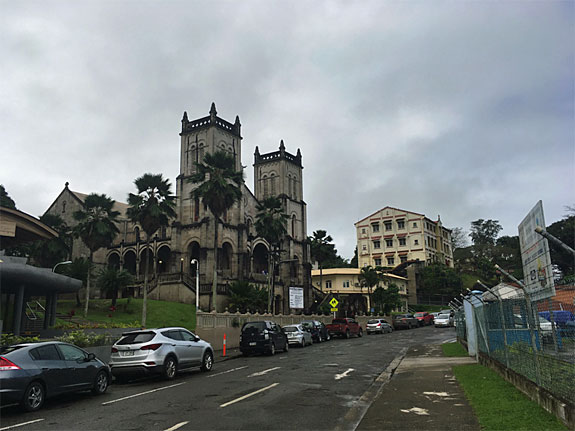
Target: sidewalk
(423, 394)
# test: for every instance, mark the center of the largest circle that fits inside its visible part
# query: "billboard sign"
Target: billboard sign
(537, 269)
(296, 297)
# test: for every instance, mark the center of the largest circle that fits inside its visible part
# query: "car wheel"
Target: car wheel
(101, 383)
(347, 333)
(303, 343)
(170, 368)
(207, 361)
(33, 397)
(360, 333)
(286, 349)
(272, 349)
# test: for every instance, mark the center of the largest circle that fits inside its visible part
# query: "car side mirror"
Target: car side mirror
(90, 357)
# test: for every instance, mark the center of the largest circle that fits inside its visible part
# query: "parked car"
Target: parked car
(298, 334)
(442, 321)
(262, 337)
(424, 318)
(405, 321)
(319, 331)
(380, 326)
(32, 372)
(164, 351)
(344, 327)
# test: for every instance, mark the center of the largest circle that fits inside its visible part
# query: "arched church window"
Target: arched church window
(137, 233)
(196, 209)
(294, 190)
(293, 226)
(265, 184)
(273, 184)
(63, 207)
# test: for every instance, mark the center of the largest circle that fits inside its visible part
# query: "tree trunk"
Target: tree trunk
(147, 266)
(270, 293)
(88, 284)
(215, 277)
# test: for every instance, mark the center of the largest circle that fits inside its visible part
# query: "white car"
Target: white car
(443, 320)
(297, 334)
(377, 325)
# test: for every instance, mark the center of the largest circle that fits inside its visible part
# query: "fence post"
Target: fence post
(503, 326)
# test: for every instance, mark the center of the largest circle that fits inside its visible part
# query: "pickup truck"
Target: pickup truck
(344, 327)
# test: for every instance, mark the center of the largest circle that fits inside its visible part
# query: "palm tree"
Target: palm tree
(321, 249)
(369, 277)
(270, 225)
(97, 229)
(152, 208)
(48, 252)
(78, 269)
(220, 188)
(113, 281)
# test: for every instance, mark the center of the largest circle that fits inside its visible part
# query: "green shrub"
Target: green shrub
(83, 339)
(10, 339)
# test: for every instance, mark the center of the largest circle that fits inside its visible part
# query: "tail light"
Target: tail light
(151, 346)
(114, 350)
(6, 365)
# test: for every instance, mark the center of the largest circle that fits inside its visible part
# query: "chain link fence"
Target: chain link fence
(534, 339)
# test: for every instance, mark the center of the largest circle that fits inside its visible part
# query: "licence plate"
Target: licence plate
(253, 343)
(128, 353)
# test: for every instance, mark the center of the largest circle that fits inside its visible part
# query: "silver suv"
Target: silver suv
(159, 351)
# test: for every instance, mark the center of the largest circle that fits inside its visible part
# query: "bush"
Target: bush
(11, 339)
(83, 339)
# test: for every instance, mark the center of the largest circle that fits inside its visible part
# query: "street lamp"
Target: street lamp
(67, 262)
(197, 283)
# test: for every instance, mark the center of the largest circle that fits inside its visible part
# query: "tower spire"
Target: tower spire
(213, 113)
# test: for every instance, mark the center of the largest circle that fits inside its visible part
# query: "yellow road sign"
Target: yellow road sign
(334, 302)
(334, 310)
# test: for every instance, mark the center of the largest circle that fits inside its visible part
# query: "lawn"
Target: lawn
(499, 405)
(129, 314)
(454, 349)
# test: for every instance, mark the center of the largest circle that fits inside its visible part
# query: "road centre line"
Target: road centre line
(229, 371)
(261, 373)
(21, 425)
(342, 375)
(249, 395)
(175, 427)
(142, 393)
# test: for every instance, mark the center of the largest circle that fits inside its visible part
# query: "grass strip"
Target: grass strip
(499, 405)
(454, 350)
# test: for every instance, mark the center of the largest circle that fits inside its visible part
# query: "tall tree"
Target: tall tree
(152, 208)
(78, 269)
(369, 277)
(439, 279)
(458, 238)
(353, 263)
(48, 252)
(5, 200)
(321, 249)
(563, 230)
(97, 229)
(220, 187)
(386, 299)
(484, 235)
(271, 221)
(113, 281)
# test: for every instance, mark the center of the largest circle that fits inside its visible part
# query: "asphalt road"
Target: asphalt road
(324, 386)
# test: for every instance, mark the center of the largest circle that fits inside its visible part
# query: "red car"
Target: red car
(424, 318)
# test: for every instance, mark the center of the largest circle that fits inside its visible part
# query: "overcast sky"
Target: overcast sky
(463, 109)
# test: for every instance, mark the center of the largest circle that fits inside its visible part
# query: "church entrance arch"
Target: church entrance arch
(194, 252)
(225, 257)
(260, 256)
(164, 259)
(114, 261)
(130, 262)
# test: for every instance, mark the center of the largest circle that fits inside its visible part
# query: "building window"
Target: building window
(414, 224)
(389, 242)
(388, 225)
(401, 241)
(346, 284)
(375, 227)
(377, 261)
(364, 247)
(415, 242)
(390, 261)
(400, 224)
(328, 284)
(403, 259)
(63, 207)
(376, 244)
(363, 231)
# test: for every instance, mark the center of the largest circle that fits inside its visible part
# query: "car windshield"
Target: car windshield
(254, 326)
(372, 322)
(418, 314)
(137, 338)
(443, 316)
(290, 329)
(4, 350)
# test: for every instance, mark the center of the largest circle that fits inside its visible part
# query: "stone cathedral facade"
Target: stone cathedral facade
(241, 254)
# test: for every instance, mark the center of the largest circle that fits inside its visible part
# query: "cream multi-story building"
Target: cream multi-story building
(344, 284)
(392, 236)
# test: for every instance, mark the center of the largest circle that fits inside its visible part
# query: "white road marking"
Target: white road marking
(261, 373)
(226, 372)
(417, 411)
(439, 394)
(249, 395)
(143, 393)
(175, 427)
(342, 375)
(451, 340)
(21, 425)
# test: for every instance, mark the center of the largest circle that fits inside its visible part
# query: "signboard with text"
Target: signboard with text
(296, 297)
(537, 269)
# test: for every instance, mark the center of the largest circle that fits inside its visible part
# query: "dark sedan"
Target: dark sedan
(405, 321)
(30, 373)
(318, 330)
